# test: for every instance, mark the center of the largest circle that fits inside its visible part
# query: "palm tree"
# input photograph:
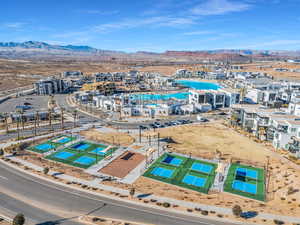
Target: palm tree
(6, 122)
(50, 119)
(35, 120)
(22, 120)
(243, 92)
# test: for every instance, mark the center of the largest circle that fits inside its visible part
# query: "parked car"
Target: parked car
(167, 124)
(143, 127)
(249, 214)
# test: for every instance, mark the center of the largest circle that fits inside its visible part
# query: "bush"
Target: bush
(19, 219)
(237, 210)
(166, 204)
(278, 222)
(204, 212)
(46, 170)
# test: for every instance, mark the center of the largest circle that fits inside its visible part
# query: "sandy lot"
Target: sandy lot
(206, 140)
(289, 75)
(113, 138)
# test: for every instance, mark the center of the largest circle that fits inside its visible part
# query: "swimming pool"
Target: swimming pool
(157, 97)
(81, 146)
(63, 155)
(44, 147)
(199, 85)
(85, 160)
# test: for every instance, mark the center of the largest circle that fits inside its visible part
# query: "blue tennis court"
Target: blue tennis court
(44, 147)
(162, 172)
(85, 160)
(63, 155)
(244, 186)
(64, 140)
(81, 146)
(193, 180)
(99, 150)
(247, 172)
(172, 160)
(203, 168)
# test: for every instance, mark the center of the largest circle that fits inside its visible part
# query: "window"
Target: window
(293, 129)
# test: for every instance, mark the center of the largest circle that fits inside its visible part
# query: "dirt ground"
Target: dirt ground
(106, 221)
(113, 138)
(4, 223)
(59, 167)
(203, 141)
(255, 67)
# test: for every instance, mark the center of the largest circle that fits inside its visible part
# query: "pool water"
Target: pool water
(85, 160)
(199, 85)
(154, 97)
(81, 146)
(63, 155)
(44, 147)
(200, 167)
(193, 180)
(162, 172)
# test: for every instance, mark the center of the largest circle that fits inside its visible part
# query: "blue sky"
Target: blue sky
(155, 25)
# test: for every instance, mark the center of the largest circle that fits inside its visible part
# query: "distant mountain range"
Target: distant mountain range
(40, 50)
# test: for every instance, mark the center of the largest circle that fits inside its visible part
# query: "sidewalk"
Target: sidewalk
(96, 184)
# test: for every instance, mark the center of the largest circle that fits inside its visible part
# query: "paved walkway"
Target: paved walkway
(96, 183)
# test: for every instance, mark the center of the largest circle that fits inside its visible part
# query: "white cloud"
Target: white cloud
(275, 43)
(14, 25)
(201, 32)
(219, 7)
(99, 12)
(158, 21)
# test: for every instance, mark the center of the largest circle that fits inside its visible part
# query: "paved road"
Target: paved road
(40, 130)
(69, 202)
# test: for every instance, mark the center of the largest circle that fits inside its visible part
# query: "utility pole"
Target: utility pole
(140, 134)
(35, 119)
(158, 137)
(62, 118)
(18, 130)
(74, 117)
(6, 123)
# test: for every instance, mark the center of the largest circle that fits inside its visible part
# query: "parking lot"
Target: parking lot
(32, 103)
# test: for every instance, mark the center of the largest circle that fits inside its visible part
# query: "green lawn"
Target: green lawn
(260, 195)
(179, 172)
(77, 154)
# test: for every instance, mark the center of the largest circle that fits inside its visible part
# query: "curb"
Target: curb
(124, 200)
